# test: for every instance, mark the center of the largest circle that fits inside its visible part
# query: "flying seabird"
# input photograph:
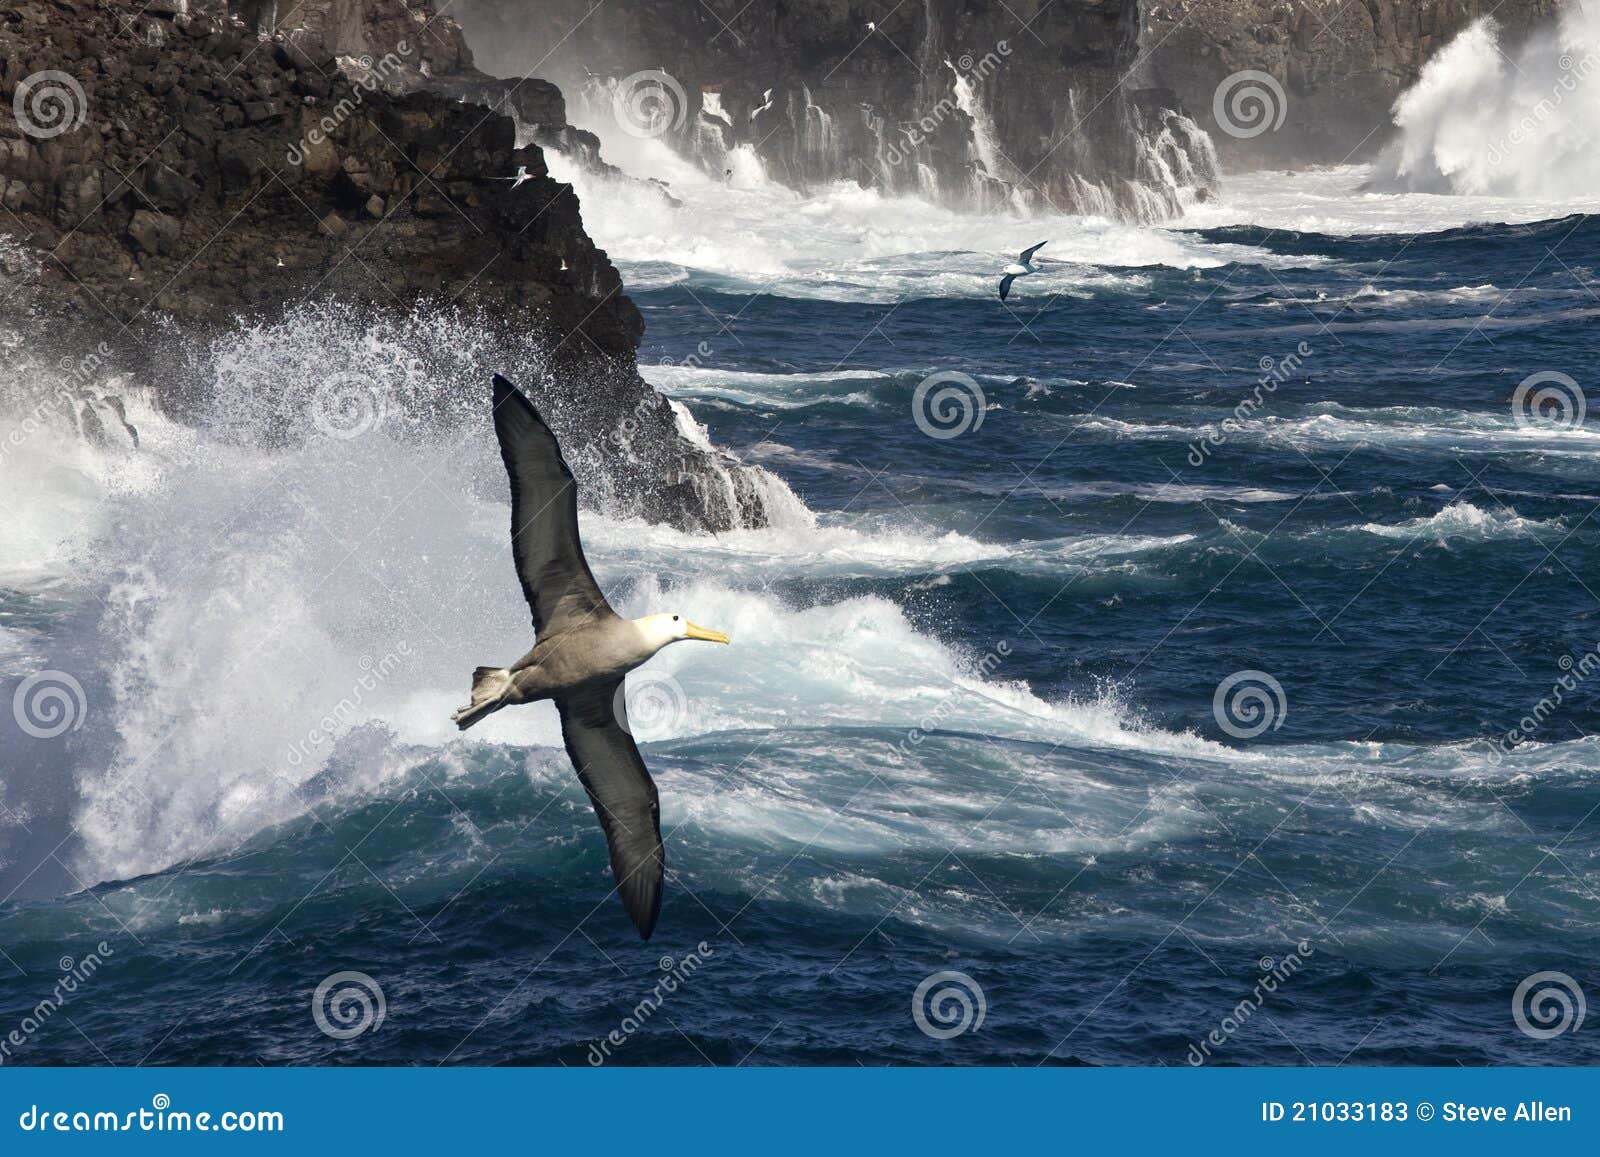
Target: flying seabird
(522, 175)
(583, 653)
(1023, 267)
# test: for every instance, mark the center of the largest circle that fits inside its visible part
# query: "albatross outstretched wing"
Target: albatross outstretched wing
(1027, 254)
(594, 723)
(1005, 285)
(544, 517)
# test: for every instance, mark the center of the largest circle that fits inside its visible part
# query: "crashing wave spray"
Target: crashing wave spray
(1485, 121)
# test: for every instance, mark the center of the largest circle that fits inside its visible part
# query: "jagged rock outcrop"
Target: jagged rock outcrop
(166, 161)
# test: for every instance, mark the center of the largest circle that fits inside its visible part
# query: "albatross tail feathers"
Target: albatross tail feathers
(489, 687)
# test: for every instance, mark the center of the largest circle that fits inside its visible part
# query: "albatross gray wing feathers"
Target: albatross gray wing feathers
(594, 723)
(1027, 254)
(556, 579)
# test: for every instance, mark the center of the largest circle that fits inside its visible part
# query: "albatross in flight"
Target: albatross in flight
(583, 652)
(1022, 268)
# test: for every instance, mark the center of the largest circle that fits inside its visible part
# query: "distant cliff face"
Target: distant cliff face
(1033, 102)
(167, 161)
(1091, 104)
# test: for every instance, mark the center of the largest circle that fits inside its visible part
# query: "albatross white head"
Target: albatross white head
(659, 630)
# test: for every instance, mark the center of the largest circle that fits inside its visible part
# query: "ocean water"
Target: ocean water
(1202, 668)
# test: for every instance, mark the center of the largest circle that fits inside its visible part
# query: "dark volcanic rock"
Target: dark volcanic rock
(170, 163)
(974, 103)
(1079, 99)
(1340, 66)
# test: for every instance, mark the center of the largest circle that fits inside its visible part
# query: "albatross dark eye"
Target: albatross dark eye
(674, 618)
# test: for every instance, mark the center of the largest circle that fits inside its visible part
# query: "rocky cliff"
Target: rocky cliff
(1340, 66)
(1078, 104)
(1035, 102)
(171, 161)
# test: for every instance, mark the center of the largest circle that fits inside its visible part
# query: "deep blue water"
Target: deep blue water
(1070, 825)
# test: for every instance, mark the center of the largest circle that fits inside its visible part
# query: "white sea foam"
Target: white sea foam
(289, 620)
(284, 625)
(845, 243)
(775, 391)
(1431, 429)
(1340, 200)
(1462, 520)
(1482, 120)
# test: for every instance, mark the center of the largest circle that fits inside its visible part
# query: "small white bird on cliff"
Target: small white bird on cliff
(1023, 267)
(522, 176)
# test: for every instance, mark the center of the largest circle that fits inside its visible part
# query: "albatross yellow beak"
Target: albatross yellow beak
(695, 632)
